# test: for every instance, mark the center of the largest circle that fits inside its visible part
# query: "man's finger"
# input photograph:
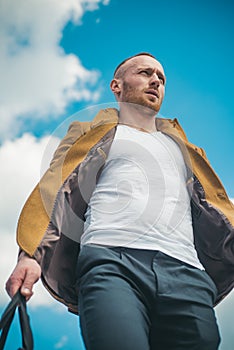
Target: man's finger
(25, 291)
(31, 277)
(12, 285)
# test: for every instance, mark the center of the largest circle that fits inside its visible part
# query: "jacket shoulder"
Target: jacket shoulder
(75, 130)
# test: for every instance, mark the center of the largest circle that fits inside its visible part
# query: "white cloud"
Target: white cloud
(60, 344)
(224, 315)
(37, 77)
(20, 170)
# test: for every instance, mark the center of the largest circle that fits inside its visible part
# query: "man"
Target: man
(154, 221)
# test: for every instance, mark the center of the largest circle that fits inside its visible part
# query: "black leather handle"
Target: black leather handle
(18, 301)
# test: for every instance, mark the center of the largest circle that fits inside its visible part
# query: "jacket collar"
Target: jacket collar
(167, 126)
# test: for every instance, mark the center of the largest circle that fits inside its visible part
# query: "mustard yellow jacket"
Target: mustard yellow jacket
(51, 222)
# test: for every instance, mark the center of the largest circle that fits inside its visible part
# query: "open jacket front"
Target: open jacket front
(51, 222)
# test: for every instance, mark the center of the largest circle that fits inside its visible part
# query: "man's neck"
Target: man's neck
(138, 117)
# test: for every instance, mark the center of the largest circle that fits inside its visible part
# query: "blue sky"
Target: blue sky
(58, 60)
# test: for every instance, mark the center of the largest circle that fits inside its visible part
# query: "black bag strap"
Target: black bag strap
(19, 301)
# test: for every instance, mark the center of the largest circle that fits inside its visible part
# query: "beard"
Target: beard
(137, 97)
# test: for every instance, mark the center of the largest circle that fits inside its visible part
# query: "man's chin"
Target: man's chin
(146, 107)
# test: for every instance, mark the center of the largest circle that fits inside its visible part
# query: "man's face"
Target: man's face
(142, 83)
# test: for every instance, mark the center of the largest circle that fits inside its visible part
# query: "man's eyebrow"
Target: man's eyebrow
(144, 67)
(139, 68)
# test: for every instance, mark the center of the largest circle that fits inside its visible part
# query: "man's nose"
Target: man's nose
(154, 80)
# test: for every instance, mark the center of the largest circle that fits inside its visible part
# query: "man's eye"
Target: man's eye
(144, 72)
(162, 80)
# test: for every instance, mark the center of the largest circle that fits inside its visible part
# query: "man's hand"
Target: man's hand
(24, 276)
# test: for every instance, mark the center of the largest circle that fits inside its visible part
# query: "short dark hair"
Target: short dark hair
(129, 58)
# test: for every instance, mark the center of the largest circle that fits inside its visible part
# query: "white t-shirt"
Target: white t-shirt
(141, 199)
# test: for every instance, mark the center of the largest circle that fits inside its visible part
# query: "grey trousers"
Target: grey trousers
(131, 299)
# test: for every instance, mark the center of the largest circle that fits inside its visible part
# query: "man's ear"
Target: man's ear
(116, 86)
